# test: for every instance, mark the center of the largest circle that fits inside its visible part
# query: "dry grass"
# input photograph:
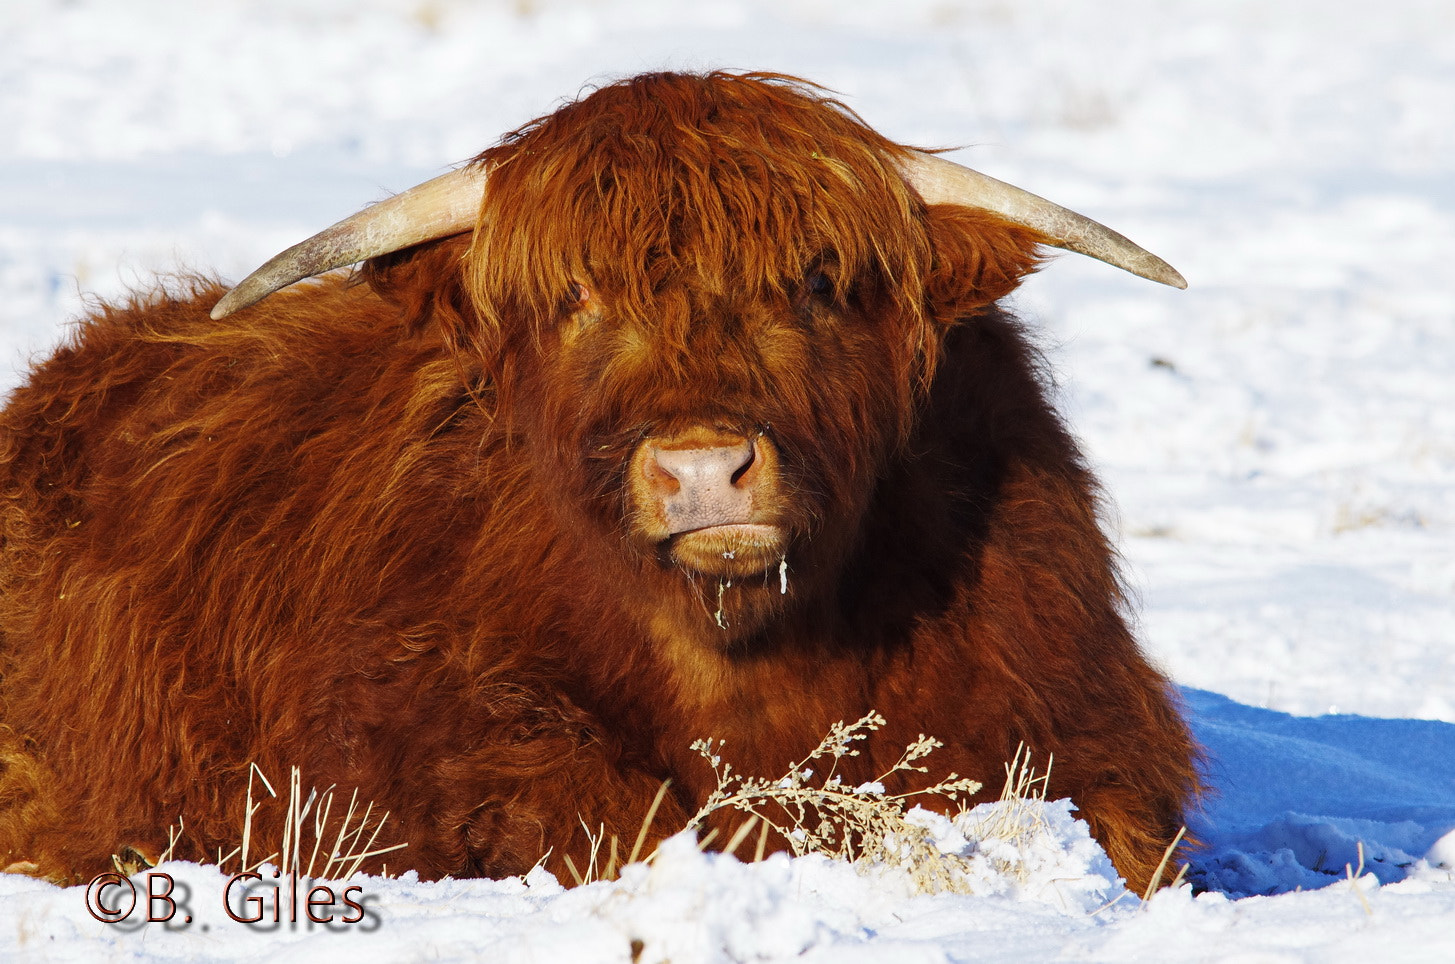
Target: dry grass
(823, 815)
(1019, 815)
(609, 868)
(1354, 877)
(817, 813)
(308, 823)
(810, 807)
(1156, 880)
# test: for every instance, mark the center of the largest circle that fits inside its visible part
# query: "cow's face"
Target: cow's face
(727, 440)
(724, 435)
(707, 320)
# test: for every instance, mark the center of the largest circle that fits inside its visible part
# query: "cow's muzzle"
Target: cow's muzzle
(710, 499)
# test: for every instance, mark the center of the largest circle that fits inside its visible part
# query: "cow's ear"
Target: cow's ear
(424, 283)
(979, 258)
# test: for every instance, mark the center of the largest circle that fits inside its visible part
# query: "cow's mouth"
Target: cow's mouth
(733, 550)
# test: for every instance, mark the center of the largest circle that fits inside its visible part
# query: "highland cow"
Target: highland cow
(686, 411)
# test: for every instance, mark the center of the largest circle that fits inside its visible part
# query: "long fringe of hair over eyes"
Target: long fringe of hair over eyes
(660, 179)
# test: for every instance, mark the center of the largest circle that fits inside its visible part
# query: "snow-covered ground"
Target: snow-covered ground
(1278, 441)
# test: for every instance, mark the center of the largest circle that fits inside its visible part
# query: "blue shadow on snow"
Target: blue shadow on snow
(1290, 798)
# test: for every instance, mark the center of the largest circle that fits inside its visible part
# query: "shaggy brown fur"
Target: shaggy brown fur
(389, 533)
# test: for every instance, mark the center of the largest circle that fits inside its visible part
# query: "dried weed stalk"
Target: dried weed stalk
(862, 824)
(1019, 816)
(307, 825)
(312, 819)
(610, 867)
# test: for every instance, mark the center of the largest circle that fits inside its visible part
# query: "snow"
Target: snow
(1277, 442)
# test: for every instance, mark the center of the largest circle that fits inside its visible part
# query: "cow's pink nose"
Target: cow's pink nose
(702, 487)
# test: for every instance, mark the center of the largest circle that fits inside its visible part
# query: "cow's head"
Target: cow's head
(709, 306)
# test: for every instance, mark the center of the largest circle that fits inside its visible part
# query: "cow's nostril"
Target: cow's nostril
(658, 475)
(742, 470)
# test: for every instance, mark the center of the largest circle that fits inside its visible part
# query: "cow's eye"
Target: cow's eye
(819, 285)
(580, 310)
(578, 296)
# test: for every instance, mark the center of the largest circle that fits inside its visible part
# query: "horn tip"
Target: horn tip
(1172, 278)
(225, 306)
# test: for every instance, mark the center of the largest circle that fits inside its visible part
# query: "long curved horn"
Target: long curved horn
(944, 182)
(445, 205)
(449, 204)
